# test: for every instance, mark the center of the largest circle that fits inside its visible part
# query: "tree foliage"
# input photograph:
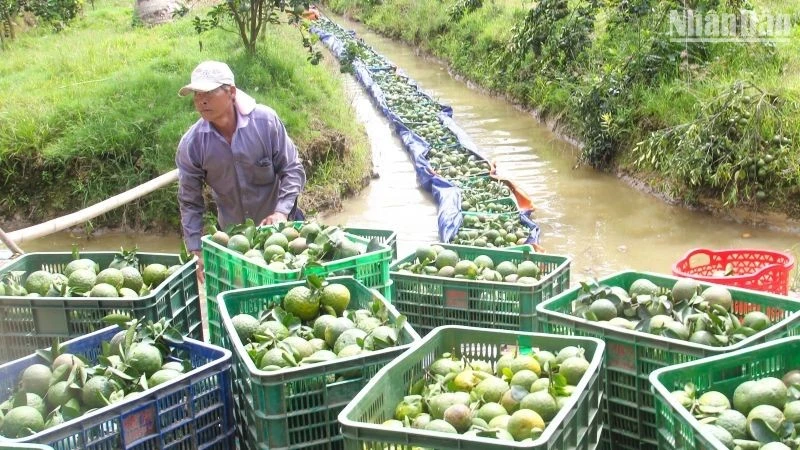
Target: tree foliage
(250, 17)
(57, 13)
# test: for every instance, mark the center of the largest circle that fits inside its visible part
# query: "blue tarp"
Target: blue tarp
(533, 238)
(333, 43)
(447, 196)
(463, 137)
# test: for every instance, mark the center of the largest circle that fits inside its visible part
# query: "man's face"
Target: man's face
(213, 105)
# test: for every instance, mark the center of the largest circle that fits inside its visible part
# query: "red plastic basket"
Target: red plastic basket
(761, 270)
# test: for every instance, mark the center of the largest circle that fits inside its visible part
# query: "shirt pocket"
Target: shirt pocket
(262, 172)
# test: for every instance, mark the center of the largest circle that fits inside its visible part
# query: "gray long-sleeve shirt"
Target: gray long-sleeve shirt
(257, 174)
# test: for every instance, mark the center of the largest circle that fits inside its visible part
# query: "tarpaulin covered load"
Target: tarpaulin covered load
(334, 44)
(448, 196)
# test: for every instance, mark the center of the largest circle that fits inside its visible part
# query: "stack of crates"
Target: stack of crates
(431, 301)
(191, 411)
(473, 188)
(30, 323)
(227, 270)
(677, 427)
(576, 426)
(297, 407)
(632, 355)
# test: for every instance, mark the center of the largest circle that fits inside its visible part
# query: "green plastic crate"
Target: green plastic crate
(469, 183)
(631, 356)
(296, 408)
(468, 186)
(520, 248)
(677, 428)
(432, 301)
(505, 216)
(509, 201)
(30, 323)
(577, 425)
(441, 170)
(385, 237)
(226, 270)
(386, 291)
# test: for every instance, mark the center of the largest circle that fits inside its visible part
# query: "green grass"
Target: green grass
(94, 110)
(473, 44)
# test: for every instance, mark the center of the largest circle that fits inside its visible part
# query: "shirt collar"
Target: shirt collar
(242, 120)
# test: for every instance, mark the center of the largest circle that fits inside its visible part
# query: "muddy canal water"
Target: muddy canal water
(601, 222)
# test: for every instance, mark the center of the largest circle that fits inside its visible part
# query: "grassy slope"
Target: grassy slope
(94, 110)
(472, 46)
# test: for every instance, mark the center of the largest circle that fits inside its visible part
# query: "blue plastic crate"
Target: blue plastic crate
(190, 412)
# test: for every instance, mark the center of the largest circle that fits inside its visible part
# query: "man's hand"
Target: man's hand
(275, 217)
(201, 275)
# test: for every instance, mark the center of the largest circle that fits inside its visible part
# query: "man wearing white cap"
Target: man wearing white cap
(241, 150)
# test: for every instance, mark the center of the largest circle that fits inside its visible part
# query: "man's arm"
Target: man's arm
(287, 167)
(190, 196)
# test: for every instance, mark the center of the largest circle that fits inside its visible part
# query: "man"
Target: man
(312, 13)
(242, 151)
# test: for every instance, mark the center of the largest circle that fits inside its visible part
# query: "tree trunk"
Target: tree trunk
(9, 25)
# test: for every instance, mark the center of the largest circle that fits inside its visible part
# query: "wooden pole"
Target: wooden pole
(79, 217)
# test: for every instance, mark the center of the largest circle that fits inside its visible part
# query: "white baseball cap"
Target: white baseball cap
(209, 75)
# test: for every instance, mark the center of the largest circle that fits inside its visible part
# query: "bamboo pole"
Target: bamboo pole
(15, 250)
(79, 217)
